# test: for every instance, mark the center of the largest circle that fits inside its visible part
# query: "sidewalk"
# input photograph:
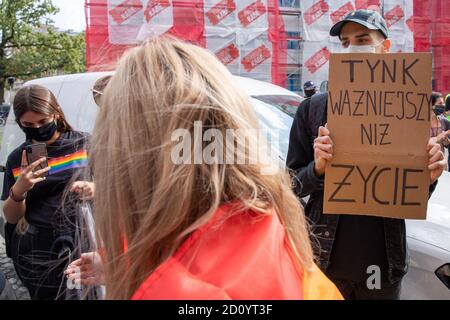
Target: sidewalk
(7, 267)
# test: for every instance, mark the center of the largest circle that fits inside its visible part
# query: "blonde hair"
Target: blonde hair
(144, 198)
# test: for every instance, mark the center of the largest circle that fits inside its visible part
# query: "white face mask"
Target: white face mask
(361, 49)
(368, 48)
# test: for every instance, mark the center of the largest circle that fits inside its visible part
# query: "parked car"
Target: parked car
(4, 111)
(428, 240)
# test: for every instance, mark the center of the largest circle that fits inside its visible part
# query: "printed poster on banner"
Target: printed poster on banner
(226, 50)
(158, 19)
(253, 60)
(316, 55)
(256, 59)
(131, 21)
(220, 14)
(398, 16)
(124, 20)
(316, 21)
(237, 32)
(253, 39)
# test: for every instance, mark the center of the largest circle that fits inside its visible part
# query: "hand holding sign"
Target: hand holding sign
(436, 164)
(323, 150)
(443, 138)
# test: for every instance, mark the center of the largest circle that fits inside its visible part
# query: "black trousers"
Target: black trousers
(359, 291)
(39, 265)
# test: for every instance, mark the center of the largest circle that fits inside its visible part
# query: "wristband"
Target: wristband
(14, 198)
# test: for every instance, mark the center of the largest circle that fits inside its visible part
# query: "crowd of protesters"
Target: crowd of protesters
(194, 231)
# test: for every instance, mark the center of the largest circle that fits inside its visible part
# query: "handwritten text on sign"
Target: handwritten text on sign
(379, 118)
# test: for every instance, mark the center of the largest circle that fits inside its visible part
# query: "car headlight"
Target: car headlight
(443, 273)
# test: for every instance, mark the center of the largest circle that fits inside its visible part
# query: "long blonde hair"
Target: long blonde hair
(143, 197)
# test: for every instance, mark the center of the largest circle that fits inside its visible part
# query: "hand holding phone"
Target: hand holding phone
(35, 152)
(32, 172)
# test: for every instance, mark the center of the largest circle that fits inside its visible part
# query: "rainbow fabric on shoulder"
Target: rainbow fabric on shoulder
(75, 160)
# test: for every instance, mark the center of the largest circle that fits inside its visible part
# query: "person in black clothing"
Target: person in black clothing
(447, 116)
(440, 125)
(309, 88)
(42, 253)
(349, 244)
(447, 107)
(437, 103)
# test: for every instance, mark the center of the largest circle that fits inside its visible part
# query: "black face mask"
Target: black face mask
(309, 93)
(439, 109)
(41, 134)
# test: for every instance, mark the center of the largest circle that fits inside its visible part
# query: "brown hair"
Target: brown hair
(154, 203)
(38, 99)
(435, 96)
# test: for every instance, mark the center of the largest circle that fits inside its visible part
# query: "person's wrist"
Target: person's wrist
(17, 196)
(318, 171)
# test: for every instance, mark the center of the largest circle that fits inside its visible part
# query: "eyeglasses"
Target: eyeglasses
(96, 91)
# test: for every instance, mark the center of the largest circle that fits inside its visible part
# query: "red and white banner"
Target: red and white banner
(246, 35)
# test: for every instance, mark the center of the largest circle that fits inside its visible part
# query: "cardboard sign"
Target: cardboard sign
(379, 119)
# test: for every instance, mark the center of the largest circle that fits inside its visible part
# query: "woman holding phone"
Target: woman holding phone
(34, 191)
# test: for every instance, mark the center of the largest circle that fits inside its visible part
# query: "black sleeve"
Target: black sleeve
(300, 157)
(432, 188)
(446, 125)
(8, 181)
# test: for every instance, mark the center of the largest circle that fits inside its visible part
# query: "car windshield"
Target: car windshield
(285, 103)
(277, 124)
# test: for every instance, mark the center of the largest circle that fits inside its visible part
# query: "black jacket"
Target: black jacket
(300, 160)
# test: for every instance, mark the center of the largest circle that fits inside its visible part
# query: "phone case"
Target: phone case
(35, 152)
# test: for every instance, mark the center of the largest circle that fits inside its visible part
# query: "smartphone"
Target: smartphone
(35, 152)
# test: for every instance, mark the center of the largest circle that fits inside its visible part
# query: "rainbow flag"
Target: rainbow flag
(67, 162)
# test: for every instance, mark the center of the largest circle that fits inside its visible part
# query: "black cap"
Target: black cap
(309, 85)
(368, 18)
